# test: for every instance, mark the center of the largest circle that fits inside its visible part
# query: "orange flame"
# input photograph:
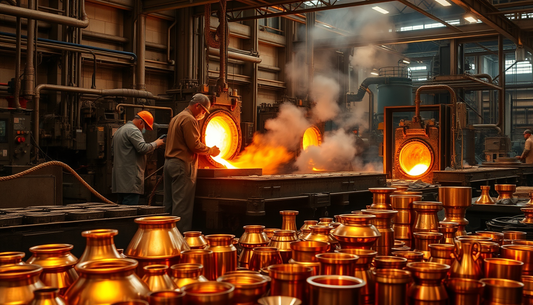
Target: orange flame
(415, 158)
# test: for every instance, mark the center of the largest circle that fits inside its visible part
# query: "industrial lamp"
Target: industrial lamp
(470, 18)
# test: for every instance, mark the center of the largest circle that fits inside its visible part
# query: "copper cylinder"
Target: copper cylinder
(11, 258)
(186, 273)
(157, 279)
(282, 240)
(47, 296)
(521, 253)
(289, 280)
(270, 232)
(315, 266)
(389, 262)
(505, 191)
(203, 257)
(527, 280)
(448, 230)
(306, 251)
(323, 234)
(442, 253)
(157, 241)
(306, 226)
(530, 202)
(334, 289)
(465, 291)
(503, 268)
(513, 235)
(263, 257)
(403, 221)
(522, 242)
(465, 265)
(195, 239)
(118, 277)
(502, 291)
(289, 220)
(131, 302)
(166, 297)
(392, 286)
(411, 256)
(426, 216)
(17, 283)
(337, 263)
(99, 245)
(252, 237)
(356, 231)
(248, 287)
(279, 300)
(212, 293)
(495, 236)
(423, 240)
(400, 187)
(428, 286)
(324, 221)
(489, 249)
(485, 198)
(455, 200)
(224, 253)
(381, 197)
(362, 271)
(383, 222)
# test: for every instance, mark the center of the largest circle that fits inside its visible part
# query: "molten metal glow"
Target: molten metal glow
(415, 158)
(311, 138)
(221, 132)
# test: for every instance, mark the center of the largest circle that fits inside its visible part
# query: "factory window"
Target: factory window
(434, 25)
(523, 67)
(272, 25)
(428, 26)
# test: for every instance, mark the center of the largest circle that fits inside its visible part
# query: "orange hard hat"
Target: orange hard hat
(148, 119)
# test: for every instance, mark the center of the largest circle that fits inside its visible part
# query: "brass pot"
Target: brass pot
(270, 232)
(442, 253)
(11, 258)
(47, 296)
(356, 231)
(392, 286)
(448, 230)
(282, 240)
(99, 245)
(465, 291)
(248, 287)
(514, 235)
(334, 289)
(17, 283)
(289, 280)
(306, 251)
(325, 221)
(404, 220)
(157, 241)
(306, 226)
(263, 257)
(118, 277)
(315, 266)
(465, 265)
(289, 220)
(426, 216)
(187, 273)
(502, 291)
(521, 253)
(203, 257)
(495, 236)
(337, 263)
(212, 293)
(505, 191)
(455, 200)
(389, 262)
(195, 239)
(485, 198)
(323, 234)
(252, 237)
(58, 265)
(383, 222)
(428, 286)
(157, 279)
(168, 297)
(279, 300)
(527, 280)
(503, 268)
(423, 240)
(224, 253)
(411, 256)
(381, 197)
(528, 215)
(362, 271)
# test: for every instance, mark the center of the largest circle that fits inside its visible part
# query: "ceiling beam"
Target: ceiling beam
(153, 6)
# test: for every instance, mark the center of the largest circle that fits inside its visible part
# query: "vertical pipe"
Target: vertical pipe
(501, 93)
(29, 72)
(17, 63)
(141, 53)
(310, 26)
(370, 109)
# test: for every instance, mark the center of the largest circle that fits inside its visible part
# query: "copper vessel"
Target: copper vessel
(248, 287)
(362, 271)
(505, 192)
(270, 232)
(530, 202)
(448, 230)
(289, 280)
(166, 297)
(403, 221)
(11, 258)
(513, 235)
(485, 198)
(279, 300)
(289, 220)
(423, 240)
(203, 257)
(383, 222)
(195, 239)
(324, 221)
(527, 280)
(99, 245)
(465, 291)
(58, 265)
(503, 268)
(252, 237)
(337, 263)
(263, 257)
(306, 251)
(389, 262)
(17, 283)
(282, 240)
(132, 302)
(400, 187)
(118, 277)
(442, 253)
(528, 215)
(411, 256)
(465, 265)
(224, 253)
(334, 289)
(495, 236)
(426, 216)
(305, 232)
(157, 278)
(521, 253)
(381, 197)
(157, 241)
(489, 249)
(428, 287)
(315, 266)
(522, 242)
(47, 296)
(455, 200)
(187, 273)
(212, 293)
(502, 291)
(323, 234)
(392, 286)
(356, 231)
(306, 225)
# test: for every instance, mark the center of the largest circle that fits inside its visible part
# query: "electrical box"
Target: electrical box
(15, 137)
(496, 147)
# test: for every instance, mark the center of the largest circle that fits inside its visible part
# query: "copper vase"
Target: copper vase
(118, 277)
(442, 253)
(403, 221)
(455, 200)
(195, 239)
(502, 291)
(428, 287)
(248, 287)
(99, 245)
(392, 286)
(426, 216)
(411, 256)
(521, 253)
(11, 258)
(47, 296)
(306, 226)
(465, 265)
(224, 253)
(323, 234)
(325, 221)
(187, 273)
(503, 268)
(17, 283)
(362, 271)
(485, 198)
(337, 263)
(306, 251)
(282, 240)
(58, 265)
(465, 291)
(252, 237)
(423, 240)
(263, 257)
(157, 278)
(389, 262)
(208, 293)
(513, 235)
(505, 192)
(289, 220)
(203, 257)
(334, 289)
(279, 300)
(289, 280)
(381, 197)
(383, 222)
(167, 297)
(356, 231)
(528, 215)
(448, 230)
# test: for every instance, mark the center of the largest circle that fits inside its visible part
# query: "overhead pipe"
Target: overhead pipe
(140, 73)
(367, 82)
(17, 62)
(122, 105)
(43, 16)
(29, 70)
(169, 60)
(501, 93)
(238, 56)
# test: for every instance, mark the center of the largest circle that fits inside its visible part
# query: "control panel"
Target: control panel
(15, 137)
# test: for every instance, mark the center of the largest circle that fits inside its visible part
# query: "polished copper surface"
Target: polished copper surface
(448, 230)
(356, 231)
(505, 191)
(337, 263)
(305, 227)
(195, 239)
(106, 281)
(502, 291)
(426, 216)
(289, 280)
(503, 268)
(530, 202)
(282, 240)
(157, 278)
(252, 237)
(132, 302)
(315, 266)
(270, 232)
(166, 297)
(513, 235)
(522, 242)
(465, 291)
(212, 293)
(306, 251)
(404, 220)
(465, 265)
(485, 198)
(58, 265)
(203, 257)
(521, 253)
(334, 289)
(383, 222)
(400, 187)
(389, 262)
(455, 200)
(279, 300)
(528, 215)
(248, 287)
(224, 253)
(11, 258)
(428, 286)
(362, 271)
(47, 296)
(495, 236)
(289, 220)
(411, 256)
(99, 245)
(324, 221)
(474, 237)
(489, 249)
(423, 240)
(442, 253)
(186, 273)
(323, 234)
(381, 197)
(17, 283)
(392, 286)
(527, 280)
(263, 257)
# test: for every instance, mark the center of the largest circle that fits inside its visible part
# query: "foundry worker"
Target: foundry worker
(181, 160)
(129, 158)
(527, 155)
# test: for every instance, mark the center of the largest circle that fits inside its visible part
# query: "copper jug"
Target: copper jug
(337, 263)
(455, 200)
(381, 197)
(17, 283)
(356, 231)
(428, 287)
(306, 225)
(411, 256)
(224, 253)
(334, 289)
(58, 265)
(99, 245)
(442, 253)
(426, 216)
(289, 280)
(248, 287)
(362, 271)
(423, 240)
(489, 249)
(465, 265)
(195, 239)
(187, 273)
(403, 221)
(252, 237)
(282, 240)
(502, 291)
(383, 222)
(289, 221)
(47, 296)
(168, 297)
(448, 230)
(465, 291)
(157, 241)
(11, 258)
(323, 234)
(203, 257)
(157, 278)
(208, 293)
(485, 198)
(392, 286)
(306, 251)
(118, 277)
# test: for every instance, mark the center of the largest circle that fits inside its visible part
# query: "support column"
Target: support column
(501, 93)
(140, 74)
(310, 26)
(249, 98)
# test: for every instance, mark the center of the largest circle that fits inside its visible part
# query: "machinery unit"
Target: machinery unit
(15, 135)
(497, 147)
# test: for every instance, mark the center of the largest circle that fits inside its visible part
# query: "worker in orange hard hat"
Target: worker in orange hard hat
(129, 157)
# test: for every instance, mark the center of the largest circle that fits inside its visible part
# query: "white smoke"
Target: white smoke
(325, 93)
(287, 128)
